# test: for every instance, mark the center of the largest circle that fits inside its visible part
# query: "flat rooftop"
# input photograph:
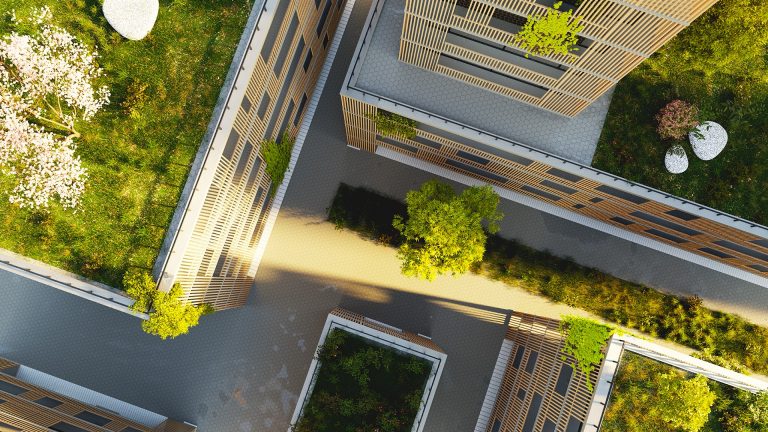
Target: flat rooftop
(377, 71)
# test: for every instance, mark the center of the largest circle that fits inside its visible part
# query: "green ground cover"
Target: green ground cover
(138, 150)
(363, 386)
(718, 64)
(635, 399)
(725, 338)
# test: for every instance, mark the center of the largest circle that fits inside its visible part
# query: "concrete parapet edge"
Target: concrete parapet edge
(68, 282)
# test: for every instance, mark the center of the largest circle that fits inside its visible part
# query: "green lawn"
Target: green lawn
(137, 163)
(363, 386)
(718, 64)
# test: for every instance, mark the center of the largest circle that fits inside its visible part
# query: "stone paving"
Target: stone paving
(383, 74)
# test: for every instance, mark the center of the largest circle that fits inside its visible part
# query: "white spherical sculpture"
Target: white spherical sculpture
(708, 140)
(133, 19)
(676, 160)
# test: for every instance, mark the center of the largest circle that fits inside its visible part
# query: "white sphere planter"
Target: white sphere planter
(676, 159)
(133, 19)
(708, 140)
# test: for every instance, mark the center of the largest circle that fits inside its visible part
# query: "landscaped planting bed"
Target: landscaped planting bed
(635, 398)
(719, 66)
(139, 148)
(733, 340)
(364, 386)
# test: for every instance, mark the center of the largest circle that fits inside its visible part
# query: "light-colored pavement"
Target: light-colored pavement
(241, 370)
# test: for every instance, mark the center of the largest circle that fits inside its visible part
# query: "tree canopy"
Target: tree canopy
(169, 316)
(726, 44)
(444, 231)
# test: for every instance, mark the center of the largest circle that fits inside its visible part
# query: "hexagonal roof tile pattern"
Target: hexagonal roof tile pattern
(381, 73)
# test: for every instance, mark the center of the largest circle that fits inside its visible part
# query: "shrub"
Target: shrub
(584, 340)
(277, 156)
(140, 286)
(747, 412)
(444, 232)
(649, 395)
(169, 317)
(676, 119)
(393, 125)
(555, 32)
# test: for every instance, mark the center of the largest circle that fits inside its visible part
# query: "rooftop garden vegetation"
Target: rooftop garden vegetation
(277, 156)
(363, 386)
(649, 395)
(719, 65)
(137, 148)
(169, 316)
(721, 337)
(394, 125)
(555, 32)
(443, 232)
(584, 340)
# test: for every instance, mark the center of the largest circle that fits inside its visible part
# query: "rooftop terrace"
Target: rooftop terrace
(377, 71)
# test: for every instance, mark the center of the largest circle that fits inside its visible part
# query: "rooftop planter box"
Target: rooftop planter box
(358, 355)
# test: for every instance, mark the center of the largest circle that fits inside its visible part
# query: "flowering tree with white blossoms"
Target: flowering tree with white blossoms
(46, 88)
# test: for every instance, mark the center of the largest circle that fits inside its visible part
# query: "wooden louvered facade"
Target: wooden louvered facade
(568, 186)
(28, 408)
(210, 255)
(540, 390)
(439, 35)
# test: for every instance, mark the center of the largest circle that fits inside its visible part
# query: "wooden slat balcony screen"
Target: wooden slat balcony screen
(538, 340)
(215, 263)
(622, 33)
(585, 196)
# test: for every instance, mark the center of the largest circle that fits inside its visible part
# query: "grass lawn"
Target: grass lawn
(631, 402)
(733, 340)
(137, 162)
(363, 386)
(730, 93)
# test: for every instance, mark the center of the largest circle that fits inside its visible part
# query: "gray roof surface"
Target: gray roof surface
(382, 74)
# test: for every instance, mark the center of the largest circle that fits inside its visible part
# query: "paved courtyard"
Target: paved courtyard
(241, 370)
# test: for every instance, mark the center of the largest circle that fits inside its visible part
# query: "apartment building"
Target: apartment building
(475, 133)
(32, 401)
(535, 387)
(475, 41)
(219, 220)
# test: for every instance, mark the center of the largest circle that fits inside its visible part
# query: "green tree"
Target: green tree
(555, 32)
(584, 340)
(683, 404)
(728, 42)
(444, 231)
(277, 156)
(748, 413)
(169, 316)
